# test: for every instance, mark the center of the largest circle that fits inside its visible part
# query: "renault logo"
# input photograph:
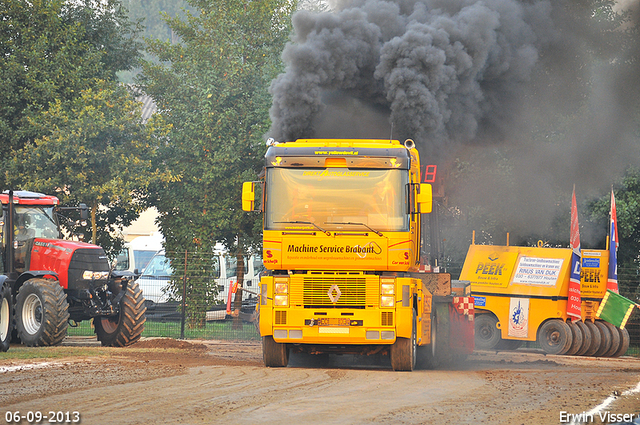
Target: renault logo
(334, 293)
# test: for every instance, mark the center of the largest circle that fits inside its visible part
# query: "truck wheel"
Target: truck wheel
(624, 343)
(403, 352)
(576, 339)
(5, 316)
(487, 334)
(126, 327)
(596, 338)
(554, 336)
(586, 338)
(274, 354)
(41, 313)
(605, 342)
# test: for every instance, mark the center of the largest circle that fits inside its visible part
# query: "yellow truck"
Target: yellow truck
(521, 294)
(341, 243)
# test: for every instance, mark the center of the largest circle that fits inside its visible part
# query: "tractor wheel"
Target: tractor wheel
(605, 343)
(6, 317)
(576, 340)
(596, 338)
(487, 334)
(586, 338)
(403, 352)
(274, 354)
(126, 327)
(554, 336)
(615, 339)
(624, 343)
(41, 313)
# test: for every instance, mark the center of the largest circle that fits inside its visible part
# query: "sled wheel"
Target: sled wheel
(605, 343)
(576, 341)
(615, 340)
(586, 338)
(554, 336)
(487, 334)
(596, 338)
(624, 343)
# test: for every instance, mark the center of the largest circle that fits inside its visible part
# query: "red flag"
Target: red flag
(574, 302)
(612, 280)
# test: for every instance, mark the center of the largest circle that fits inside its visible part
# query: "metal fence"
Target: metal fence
(188, 297)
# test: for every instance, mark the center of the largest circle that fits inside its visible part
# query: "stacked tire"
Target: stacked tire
(590, 338)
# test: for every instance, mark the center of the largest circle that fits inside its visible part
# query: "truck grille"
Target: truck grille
(352, 290)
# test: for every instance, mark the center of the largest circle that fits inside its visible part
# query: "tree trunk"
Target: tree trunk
(237, 302)
(94, 226)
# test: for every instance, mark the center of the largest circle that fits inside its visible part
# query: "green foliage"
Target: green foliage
(212, 89)
(52, 50)
(97, 152)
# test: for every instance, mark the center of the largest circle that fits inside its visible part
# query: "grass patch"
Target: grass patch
(222, 329)
(20, 352)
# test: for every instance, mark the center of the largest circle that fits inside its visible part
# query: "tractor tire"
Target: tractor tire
(554, 336)
(126, 327)
(605, 343)
(576, 340)
(586, 338)
(6, 316)
(487, 334)
(596, 338)
(403, 352)
(615, 339)
(41, 313)
(274, 354)
(624, 343)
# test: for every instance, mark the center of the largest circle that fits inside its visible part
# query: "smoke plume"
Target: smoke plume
(456, 75)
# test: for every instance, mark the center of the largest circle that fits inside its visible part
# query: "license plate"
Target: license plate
(333, 321)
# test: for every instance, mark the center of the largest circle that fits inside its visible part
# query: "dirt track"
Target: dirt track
(171, 382)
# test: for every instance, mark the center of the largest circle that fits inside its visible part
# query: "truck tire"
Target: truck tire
(615, 339)
(41, 313)
(126, 327)
(274, 354)
(624, 343)
(605, 342)
(596, 338)
(576, 339)
(403, 352)
(6, 316)
(554, 336)
(586, 338)
(487, 334)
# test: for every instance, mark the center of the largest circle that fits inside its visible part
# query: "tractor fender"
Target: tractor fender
(45, 274)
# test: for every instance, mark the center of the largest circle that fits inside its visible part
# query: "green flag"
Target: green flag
(615, 309)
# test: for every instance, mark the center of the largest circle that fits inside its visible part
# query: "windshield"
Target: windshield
(158, 266)
(326, 197)
(35, 222)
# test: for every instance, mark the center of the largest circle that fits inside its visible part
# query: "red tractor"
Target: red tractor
(48, 283)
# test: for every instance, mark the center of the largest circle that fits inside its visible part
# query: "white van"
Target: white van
(154, 280)
(136, 254)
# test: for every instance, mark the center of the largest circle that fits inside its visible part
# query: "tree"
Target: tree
(52, 50)
(96, 151)
(211, 87)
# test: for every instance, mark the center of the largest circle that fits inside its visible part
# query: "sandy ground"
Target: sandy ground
(163, 381)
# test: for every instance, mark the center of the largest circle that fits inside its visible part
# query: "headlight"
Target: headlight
(387, 289)
(91, 275)
(281, 300)
(281, 288)
(387, 301)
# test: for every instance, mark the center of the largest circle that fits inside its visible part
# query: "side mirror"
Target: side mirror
(248, 196)
(84, 212)
(425, 198)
